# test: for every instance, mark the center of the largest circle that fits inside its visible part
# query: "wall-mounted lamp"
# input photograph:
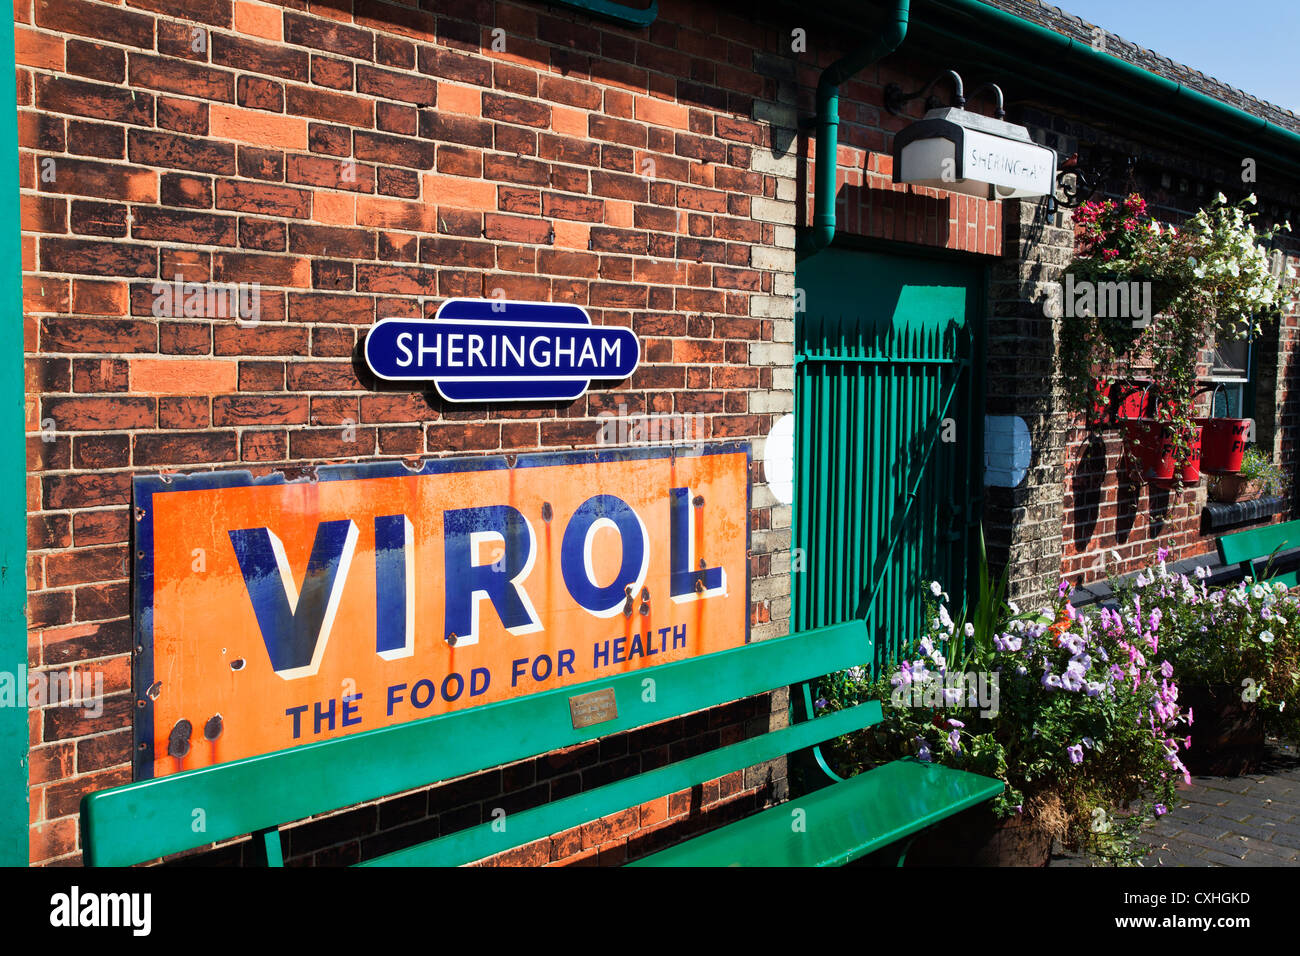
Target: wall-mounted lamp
(964, 152)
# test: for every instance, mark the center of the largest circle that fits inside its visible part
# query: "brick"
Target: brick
(324, 308)
(94, 490)
(182, 377)
(263, 199)
(324, 104)
(259, 410)
(97, 219)
(176, 225)
(269, 59)
(96, 20)
(176, 411)
(104, 602)
(516, 229)
(443, 127)
(181, 152)
(395, 214)
(331, 72)
(318, 171)
(257, 126)
(394, 150)
(392, 118)
(462, 99)
(263, 446)
(459, 193)
(406, 87)
(329, 241)
(101, 527)
(327, 138)
(179, 76)
(103, 180)
(184, 448)
(213, 12)
(451, 65)
(89, 257)
(183, 116)
(40, 50)
(99, 375)
(82, 98)
(178, 189)
(257, 20)
(264, 269)
(90, 297)
(328, 36)
(579, 208)
(92, 414)
(260, 94)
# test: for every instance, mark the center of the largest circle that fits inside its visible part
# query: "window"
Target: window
(1233, 367)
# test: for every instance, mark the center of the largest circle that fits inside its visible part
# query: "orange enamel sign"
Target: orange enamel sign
(273, 613)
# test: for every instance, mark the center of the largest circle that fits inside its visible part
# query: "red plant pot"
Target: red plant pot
(1223, 443)
(1152, 447)
(1152, 444)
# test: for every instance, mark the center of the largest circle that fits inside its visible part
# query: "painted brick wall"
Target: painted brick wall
(359, 161)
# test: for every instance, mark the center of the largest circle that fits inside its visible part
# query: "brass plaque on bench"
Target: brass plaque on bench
(594, 708)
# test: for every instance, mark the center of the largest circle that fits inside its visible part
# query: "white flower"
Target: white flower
(1266, 637)
(970, 629)
(936, 588)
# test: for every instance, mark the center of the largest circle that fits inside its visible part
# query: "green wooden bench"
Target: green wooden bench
(846, 819)
(1258, 548)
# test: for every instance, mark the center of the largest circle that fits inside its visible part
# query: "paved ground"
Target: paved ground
(1230, 821)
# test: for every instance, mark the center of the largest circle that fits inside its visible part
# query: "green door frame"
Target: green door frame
(13, 489)
(928, 368)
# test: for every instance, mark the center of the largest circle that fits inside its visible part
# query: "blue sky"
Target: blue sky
(1250, 44)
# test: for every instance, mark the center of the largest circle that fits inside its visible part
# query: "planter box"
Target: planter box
(1231, 488)
(1227, 732)
(976, 837)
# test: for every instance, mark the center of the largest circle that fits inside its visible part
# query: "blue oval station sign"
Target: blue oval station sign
(477, 350)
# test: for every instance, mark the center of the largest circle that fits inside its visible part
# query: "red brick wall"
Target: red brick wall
(361, 162)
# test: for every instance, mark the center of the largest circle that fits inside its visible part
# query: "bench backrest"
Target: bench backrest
(1253, 549)
(153, 818)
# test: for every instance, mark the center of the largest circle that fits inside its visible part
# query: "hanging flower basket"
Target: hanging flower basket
(1151, 446)
(1223, 443)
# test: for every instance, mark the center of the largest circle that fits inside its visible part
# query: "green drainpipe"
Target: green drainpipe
(1073, 64)
(822, 231)
(13, 493)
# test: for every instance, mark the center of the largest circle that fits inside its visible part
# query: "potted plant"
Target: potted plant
(1257, 475)
(1081, 728)
(1237, 654)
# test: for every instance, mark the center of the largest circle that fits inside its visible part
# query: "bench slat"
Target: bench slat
(477, 843)
(1258, 544)
(841, 822)
(149, 819)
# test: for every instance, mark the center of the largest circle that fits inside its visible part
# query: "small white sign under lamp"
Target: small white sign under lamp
(970, 153)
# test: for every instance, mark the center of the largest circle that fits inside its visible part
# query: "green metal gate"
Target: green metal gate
(888, 438)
